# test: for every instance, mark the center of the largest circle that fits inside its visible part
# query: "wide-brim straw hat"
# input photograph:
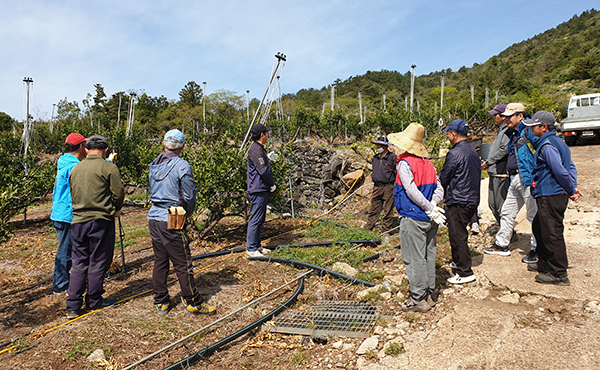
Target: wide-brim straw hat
(410, 140)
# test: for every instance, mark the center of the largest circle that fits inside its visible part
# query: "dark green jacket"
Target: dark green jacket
(96, 190)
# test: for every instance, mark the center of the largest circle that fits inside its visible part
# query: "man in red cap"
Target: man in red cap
(62, 210)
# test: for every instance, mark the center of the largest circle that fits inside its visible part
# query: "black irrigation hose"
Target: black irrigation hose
(322, 270)
(368, 241)
(216, 254)
(203, 354)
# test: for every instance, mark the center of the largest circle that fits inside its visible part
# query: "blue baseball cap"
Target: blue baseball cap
(174, 136)
(457, 125)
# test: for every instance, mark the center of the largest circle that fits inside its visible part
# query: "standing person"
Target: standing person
(384, 174)
(62, 211)
(260, 184)
(460, 178)
(417, 194)
(172, 185)
(554, 183)
(495, 164)
(519, 165)
(97, 194)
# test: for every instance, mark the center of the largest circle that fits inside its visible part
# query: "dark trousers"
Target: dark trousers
(258, 213)
(382, 199)
(497, 192)
(548, 230)
(93, 245)
(62, 260)
(457, 219)
(172, 245)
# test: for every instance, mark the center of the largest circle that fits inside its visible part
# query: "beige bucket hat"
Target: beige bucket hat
(410, 140)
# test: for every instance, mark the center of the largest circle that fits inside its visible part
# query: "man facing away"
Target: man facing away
(62, 210)
(172, 185)
(461, 178)
(384, 175)
(519, 166)
(97, 195)
(417, 193)
(554, 183)
(259, 184)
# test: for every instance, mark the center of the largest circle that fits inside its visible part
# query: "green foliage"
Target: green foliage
(395, 349)
(81, 348)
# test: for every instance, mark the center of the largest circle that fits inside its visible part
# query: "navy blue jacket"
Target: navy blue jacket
(258, 172)
(554, 172)
(461, 176)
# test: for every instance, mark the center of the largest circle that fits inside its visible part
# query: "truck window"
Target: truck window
(585, 102)
(596, 101)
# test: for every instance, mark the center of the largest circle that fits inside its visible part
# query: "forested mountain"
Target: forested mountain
(542, 71)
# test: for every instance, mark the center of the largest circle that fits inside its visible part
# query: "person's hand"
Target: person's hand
(112, 157)
(437, 215)
(273, 156)
(576, 195)
(484, 165)
(273, 188)
(118, 213)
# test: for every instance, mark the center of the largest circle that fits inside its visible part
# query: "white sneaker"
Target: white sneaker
(254, 254)
(475, 228)
(456, 279)
(264, 250)
(452, 265)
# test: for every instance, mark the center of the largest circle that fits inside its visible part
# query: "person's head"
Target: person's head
(497, 113)
(457, 130)
(515, 113)
(541, 122)
(260, 133)
(381, 144)
(410, 141)
(174, 141)
(97, 145)
(75, 145)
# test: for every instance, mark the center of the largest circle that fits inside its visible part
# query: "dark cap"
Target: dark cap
(541, 118)
(74, 139)
(457, 125)
(259, 128)
(381, 140)
(500, 108)
(96, 142)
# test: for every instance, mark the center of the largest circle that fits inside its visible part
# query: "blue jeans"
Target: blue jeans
(258, 213)
(62, 261)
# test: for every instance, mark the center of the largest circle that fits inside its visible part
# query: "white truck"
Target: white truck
(583, 118)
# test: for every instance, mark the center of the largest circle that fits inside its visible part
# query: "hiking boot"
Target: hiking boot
(549, 278)
(452, 265)
(60, 292)
(201, 309)
(496, 249)
(75, 314)
(540, 267)
(475, 228)
(531, 257)
(106, 302)
(163, 308)
(415, 306)
(254, 254)
(264, 250)
(457, 279)
(431, 300)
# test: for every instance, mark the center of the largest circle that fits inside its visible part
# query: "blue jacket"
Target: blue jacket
(524, 150)
(461, 176)
(258, 172)
(554, 172)
(171, 184)
(62, 208)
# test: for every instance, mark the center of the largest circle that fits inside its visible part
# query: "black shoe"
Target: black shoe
(531, 257)
(548, 278)
(498, 250)
(106, 302)
(540, 267)
(514, 237)
(75, 314)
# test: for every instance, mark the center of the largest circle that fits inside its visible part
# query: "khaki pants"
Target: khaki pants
(382, 199)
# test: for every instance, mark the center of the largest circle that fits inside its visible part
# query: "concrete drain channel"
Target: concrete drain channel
(328, 318)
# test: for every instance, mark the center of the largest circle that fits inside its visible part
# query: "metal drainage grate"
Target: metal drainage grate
(328, 318)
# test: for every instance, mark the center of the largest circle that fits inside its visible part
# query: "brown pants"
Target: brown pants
(382, 199)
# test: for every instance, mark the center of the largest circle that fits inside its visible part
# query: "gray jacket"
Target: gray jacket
(499, 152)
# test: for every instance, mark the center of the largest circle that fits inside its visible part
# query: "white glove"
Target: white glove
(273, 188)
(112, 157)
(437, 215)
(273, 157)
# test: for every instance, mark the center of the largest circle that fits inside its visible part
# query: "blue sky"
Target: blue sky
(158, 46)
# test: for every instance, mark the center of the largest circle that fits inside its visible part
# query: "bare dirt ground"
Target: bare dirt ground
(503, 320)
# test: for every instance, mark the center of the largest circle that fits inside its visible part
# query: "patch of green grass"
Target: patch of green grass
(348, 216)
(371, 354)
(410, 316)
(298, 357)
(83, 347)
(20, 344)
(245, 362)
(395, 349)
(141, 196)
(375, 276)
(326, 230)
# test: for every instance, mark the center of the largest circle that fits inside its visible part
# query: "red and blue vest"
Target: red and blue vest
(425, 178)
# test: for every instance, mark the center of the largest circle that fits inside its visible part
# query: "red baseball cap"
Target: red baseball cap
(75, 139)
